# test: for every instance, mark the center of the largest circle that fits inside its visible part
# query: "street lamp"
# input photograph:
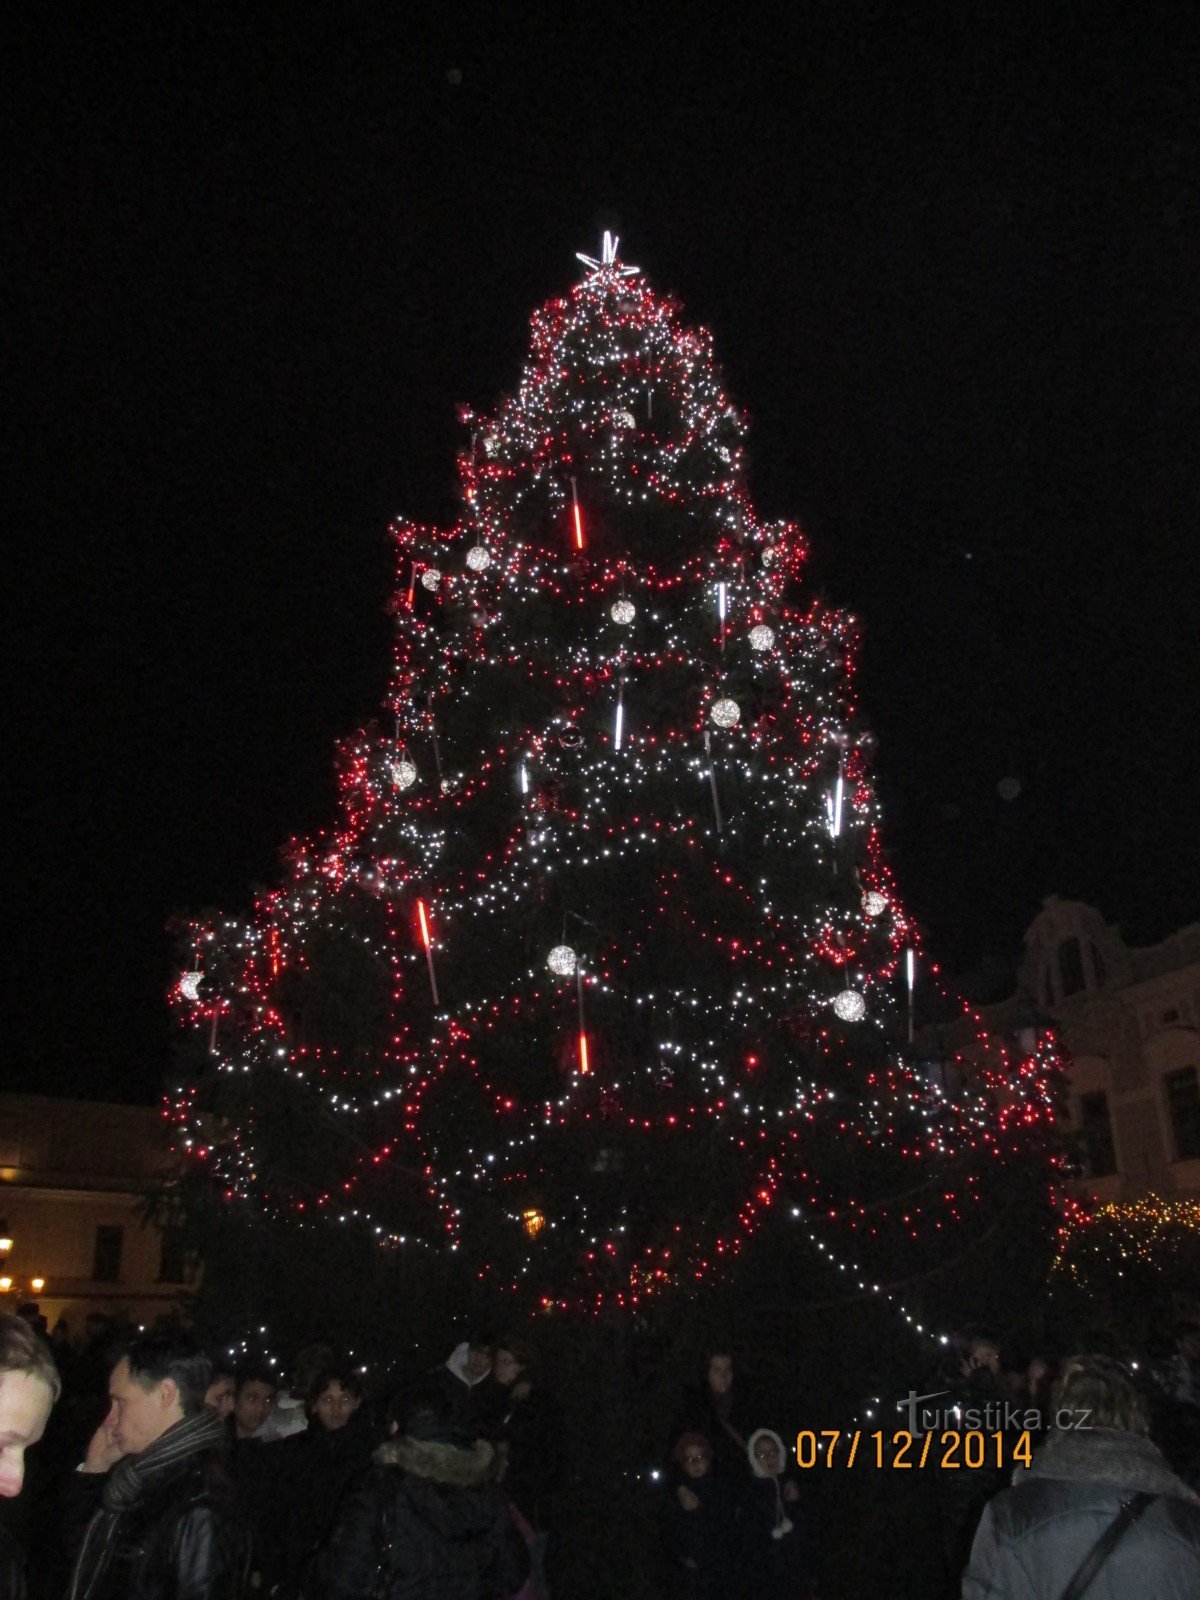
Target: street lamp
(37, 1284)
(6, 1243)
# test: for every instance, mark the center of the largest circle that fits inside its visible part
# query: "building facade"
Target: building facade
(1130, 1021)
(74, 1178)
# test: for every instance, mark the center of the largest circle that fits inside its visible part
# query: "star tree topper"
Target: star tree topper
(608, 261)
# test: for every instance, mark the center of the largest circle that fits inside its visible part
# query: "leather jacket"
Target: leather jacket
(185, 1540)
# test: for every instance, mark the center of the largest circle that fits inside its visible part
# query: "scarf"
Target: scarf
(127, 1484)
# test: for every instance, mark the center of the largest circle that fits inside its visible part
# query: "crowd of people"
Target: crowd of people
(205, 1481)
(165, 1475)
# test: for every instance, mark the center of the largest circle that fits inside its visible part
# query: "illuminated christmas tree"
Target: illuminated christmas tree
(601, 964)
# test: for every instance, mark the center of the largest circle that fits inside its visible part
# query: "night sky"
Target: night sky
(953, 272)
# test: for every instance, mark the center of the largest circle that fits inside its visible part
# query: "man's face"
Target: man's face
(25, 1403)
(254, 1401)
(218, 1396)
(138, 1416)
(479, 1360)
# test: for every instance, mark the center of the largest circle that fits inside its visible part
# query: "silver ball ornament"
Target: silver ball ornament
(479, 557)
(850, 1005)
(726, 713)
(431, 577)
(874, 903)
(623, 611)
(762, 637)
(561, 961)
(402, 771)
(189, 985)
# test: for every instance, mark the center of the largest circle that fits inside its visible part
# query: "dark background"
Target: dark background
(952, 264)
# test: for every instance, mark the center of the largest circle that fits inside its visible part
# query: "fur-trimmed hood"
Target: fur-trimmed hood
(1129, 1461)
(447, 1464)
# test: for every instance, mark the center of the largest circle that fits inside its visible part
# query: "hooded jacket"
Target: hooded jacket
(428, 1522)
(1033, 1536)
(778, 1546)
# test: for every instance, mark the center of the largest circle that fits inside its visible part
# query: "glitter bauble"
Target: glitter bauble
(762, 637)
(874, 903)
(850, 1005)
(402, 772)
(623, 611)
(189, 985)
(561, 961)
(431, 577)
(726, 713)
(479, 557)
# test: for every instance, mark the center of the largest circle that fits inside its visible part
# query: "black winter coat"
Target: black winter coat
(783, 1568)
(185, 1540)
(306, 1476)
(427, 1523)
(529, 1430)
(700, 1545)
(12, 1569)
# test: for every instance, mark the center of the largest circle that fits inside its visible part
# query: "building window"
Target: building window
(1096, 1135)
(106, 1259)
(1183, 1106)
(172, 1260)
(1098, 967)
(1070, 966)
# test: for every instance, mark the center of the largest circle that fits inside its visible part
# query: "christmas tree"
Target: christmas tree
(601, 965)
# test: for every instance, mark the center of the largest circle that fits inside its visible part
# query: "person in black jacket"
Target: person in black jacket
(526, 1433)
(29, 1386)
(718, 1409)
(428, 1522)
(778, 1547)
(153, 1504)
(307, 1474)
(698, 1523)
